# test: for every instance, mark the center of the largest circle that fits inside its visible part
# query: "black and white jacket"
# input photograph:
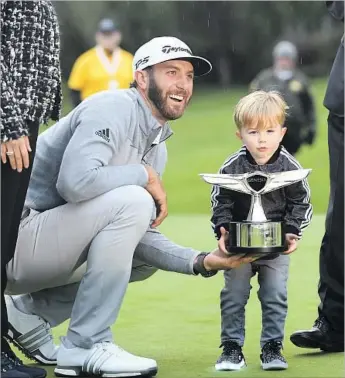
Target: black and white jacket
(30, 66)
(290, 204)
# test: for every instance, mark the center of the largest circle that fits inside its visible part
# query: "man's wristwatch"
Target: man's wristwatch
(199, 267)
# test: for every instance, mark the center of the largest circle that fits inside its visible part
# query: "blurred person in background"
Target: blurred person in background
(328, 331)
(30, 95)
(105, 66)
(287, 79)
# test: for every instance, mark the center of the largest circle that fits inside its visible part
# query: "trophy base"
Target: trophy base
(256, 250)
(256, 238)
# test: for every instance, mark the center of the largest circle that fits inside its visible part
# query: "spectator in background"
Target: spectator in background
(105, 66)
(328, 331)
(285, 78)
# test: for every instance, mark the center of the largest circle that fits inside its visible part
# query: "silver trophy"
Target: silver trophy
(256, 235)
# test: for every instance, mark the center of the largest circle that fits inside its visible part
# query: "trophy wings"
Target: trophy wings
(233, 182)
(238, 182)
(280, 179)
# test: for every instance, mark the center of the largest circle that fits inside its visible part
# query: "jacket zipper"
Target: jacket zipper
(150, 148)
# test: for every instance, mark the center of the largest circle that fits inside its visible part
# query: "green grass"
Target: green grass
(175, 319)
(205, 136)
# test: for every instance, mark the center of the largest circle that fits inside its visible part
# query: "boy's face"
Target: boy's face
(262, 143)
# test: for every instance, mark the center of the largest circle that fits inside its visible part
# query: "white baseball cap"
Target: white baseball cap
(162, 49)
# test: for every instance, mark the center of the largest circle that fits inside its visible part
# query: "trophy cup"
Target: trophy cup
(256, 235)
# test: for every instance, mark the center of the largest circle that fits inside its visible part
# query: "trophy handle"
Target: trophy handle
(256, 211)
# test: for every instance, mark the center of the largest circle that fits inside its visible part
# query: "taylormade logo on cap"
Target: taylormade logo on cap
(168, 49)
(162, 49)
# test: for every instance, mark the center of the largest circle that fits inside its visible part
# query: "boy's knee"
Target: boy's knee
(272, 294)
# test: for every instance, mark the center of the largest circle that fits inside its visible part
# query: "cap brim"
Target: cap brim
(201, 65)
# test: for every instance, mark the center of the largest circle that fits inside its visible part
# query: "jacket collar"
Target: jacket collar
(273, 158)
(147, 122)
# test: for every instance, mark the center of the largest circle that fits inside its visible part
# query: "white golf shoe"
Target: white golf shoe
(31, 334)
(102, 360)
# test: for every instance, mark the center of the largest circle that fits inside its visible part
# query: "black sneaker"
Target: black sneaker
(8, 368)
(271, 356)
(232, 357)
(13, 367)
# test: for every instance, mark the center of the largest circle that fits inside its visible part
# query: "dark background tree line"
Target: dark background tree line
(237, 36)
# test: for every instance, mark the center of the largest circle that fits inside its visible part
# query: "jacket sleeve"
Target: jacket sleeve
(12, 123)
(308, 105)
(299, 210)
(86, 170)
(157, 250)
(222, 204)
(259, 81)
(255, 84)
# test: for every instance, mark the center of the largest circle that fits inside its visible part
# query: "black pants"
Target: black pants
(331, 285)
(13, 191)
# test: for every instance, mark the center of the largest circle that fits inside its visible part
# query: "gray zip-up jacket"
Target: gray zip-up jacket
(101, 145)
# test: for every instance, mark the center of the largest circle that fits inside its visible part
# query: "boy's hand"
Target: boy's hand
(292, 241)
(223, 241)
(222, 258)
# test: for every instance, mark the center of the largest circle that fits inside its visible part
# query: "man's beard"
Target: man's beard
(155, 94)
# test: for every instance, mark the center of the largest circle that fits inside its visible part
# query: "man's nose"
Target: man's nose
(182, 82)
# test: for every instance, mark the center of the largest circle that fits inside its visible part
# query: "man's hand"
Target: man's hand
(218, 260)
(292, 241)
(17, 153)
(310, 137)
(155, 188)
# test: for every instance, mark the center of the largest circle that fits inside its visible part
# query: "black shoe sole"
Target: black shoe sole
(310, 343)
(304, 342)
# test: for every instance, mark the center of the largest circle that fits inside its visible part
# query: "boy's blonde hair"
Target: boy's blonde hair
(261, 110)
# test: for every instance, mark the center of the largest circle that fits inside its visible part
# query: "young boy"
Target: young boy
(259, 117)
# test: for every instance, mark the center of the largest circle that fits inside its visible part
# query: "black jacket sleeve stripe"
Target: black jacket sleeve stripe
(309, 210)
(215, 188)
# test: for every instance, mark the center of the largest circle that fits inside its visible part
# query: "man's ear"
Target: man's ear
(142, 79)
(238, 134)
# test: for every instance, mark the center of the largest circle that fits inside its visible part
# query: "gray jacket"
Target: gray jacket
(101, 145)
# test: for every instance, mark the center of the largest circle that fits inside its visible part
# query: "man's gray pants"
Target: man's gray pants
(272, 278)
(75, 261)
